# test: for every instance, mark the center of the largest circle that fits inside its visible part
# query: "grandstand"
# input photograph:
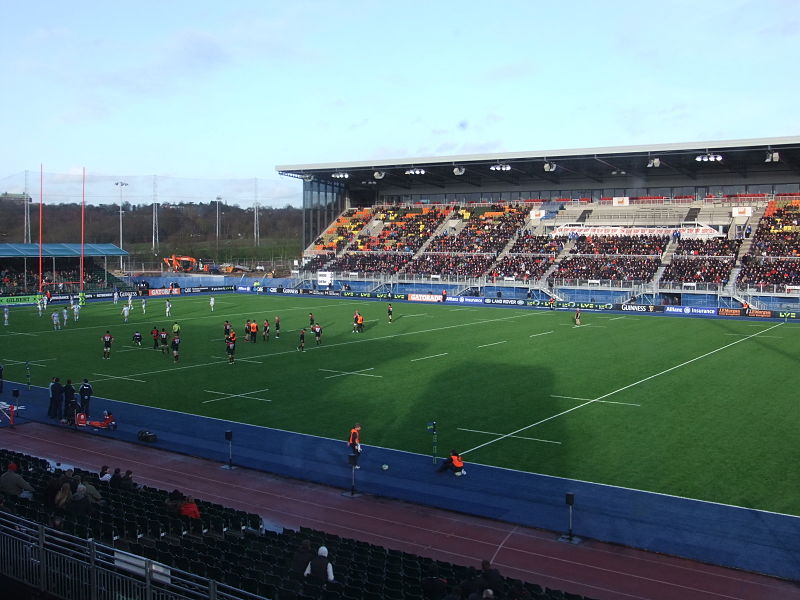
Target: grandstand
(514, 229)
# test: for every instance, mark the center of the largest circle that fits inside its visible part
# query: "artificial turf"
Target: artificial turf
(700, 408)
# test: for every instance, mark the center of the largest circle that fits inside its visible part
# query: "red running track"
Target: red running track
(594, 569)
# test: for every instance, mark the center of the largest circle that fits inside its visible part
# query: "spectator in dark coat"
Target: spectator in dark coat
(116, 478)
(319, 568)
(126, 483)
(301, 558)
(492, 576)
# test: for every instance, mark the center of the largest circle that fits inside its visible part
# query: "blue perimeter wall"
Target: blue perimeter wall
(736, 537)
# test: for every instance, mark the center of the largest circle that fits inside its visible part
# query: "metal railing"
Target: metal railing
(70, 567)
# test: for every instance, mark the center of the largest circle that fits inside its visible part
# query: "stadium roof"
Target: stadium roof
(59, 250)
(739, 158)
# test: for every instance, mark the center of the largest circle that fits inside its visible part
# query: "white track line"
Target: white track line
(427, 357)
(514, 436)
(630, 385)
(543, 333)
(492, 344)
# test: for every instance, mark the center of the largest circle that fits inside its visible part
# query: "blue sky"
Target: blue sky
(228, 90)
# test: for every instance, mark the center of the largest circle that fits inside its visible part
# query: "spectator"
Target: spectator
(13, 484)
(126, 482)
(189, 508)
(79, 503)
(95, 498)
(491, 576)
(63, 497)
(104, 473)
(319, 568)
(116, 478)
(301, 558)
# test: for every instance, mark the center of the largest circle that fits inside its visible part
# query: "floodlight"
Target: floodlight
(772, 156)
(653, 163)
(379, 174)
(550, 167)
(459, 170)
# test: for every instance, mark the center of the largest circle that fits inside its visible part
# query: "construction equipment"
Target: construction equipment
(181, 264)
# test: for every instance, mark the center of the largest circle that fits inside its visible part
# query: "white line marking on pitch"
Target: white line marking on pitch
(419, 315)
(455, 309)
(630, 385)
(492, 344)
(543, 333)
(116, 377)
(589, 325)
(616, 318)
(590, 400)
(515, 436)
(342, 373)
(772, 337)
(33, 363)
(427, 357)
(227, 396)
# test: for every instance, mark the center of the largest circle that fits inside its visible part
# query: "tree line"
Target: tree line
(179, 225)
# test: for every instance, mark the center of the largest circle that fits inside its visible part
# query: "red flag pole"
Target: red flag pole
(41, 204)
(83, 223)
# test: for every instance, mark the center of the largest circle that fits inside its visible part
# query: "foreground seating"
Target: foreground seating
(231, 547)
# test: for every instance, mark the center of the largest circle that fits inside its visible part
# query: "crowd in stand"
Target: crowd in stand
(318, 261)
(757, 271)
(13, 281)
(403, 231)
(346, 228)
(710, 247)
(701, 269)
(620, 268)
(487, 232)
(461, 265)
(525, 268)
(370, 262)
(527, 243)
(627, 245)
(778, 234)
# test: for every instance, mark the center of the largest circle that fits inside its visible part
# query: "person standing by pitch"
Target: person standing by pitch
(354, 441)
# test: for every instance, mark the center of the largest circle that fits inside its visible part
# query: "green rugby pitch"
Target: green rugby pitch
(699, 408)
